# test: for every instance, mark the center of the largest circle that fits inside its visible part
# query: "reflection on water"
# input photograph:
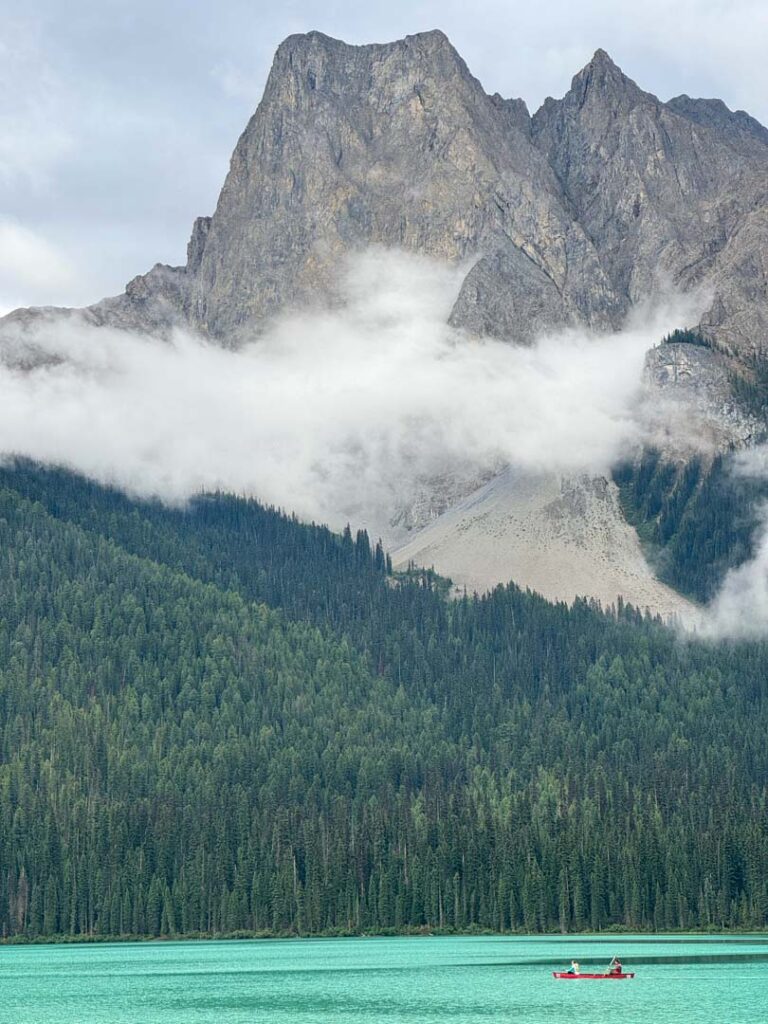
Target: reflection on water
(680, 980)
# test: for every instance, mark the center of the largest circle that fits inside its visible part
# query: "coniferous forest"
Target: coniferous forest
(217, 720)
(698, 518)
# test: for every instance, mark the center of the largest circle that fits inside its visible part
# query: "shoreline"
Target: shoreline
(608, 935)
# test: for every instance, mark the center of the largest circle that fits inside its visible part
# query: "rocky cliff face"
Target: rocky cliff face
(691, 403)
(673, 195)
(396, 145)
(601, 200)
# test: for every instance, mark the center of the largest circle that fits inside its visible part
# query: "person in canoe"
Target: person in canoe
(614, 967)
(574, 968)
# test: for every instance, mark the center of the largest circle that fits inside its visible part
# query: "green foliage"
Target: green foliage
(176, 757)
(750, 387)
(686, 336)
(698, 520)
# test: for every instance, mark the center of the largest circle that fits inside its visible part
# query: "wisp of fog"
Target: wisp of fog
(337, 415)
(739, 610)
(331, 414)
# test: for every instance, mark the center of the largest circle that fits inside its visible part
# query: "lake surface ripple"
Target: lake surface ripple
(473, 980)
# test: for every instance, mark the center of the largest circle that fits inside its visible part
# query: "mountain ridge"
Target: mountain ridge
(574, 214)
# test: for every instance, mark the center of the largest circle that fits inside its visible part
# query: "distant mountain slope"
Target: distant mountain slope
(562, 538)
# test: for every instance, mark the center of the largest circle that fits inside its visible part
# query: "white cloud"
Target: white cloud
(343, 415)
(739, 610)
(335, 415)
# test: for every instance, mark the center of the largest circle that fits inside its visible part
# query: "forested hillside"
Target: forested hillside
(699, 519)
(218, 719)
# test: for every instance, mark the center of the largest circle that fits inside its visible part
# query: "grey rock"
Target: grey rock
(690, 408)
(153, 303)
(741, 130)
(515, 111)
(396, 145)
(603, 199)
(432, 497)
(507, 295)
(196, 245)
(663, 195)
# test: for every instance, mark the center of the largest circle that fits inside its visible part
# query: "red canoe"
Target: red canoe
(592, 977)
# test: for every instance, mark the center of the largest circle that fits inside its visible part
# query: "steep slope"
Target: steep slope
(670, 195)
(562, 538)
(603, 199)
(700, 517)
(396, 145)
(691, 398)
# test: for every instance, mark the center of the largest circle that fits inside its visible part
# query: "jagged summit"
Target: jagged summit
(601, 67)
(324, 63)
(599, 75)
(597, 202)
(392, 144)
(516, 112)
(603, 82)
(601, 56)
(332, 63)
(302, 41)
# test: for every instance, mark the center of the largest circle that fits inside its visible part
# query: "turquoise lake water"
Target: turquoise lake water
(386, 981)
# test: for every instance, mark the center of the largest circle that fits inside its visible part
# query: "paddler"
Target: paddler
(574, 968)
(614, 967)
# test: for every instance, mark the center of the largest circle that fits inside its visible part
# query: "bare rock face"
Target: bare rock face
(396, 145)
(741, 130)
(507, 295)
(599, 201)
(672, 195)
(691, 405)
(153, 303)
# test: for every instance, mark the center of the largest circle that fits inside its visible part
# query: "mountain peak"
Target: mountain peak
(301, 43)
(602, 73)
(433, 37)
(313, 61)
(602, 57)
(575, 213)
(737, 127)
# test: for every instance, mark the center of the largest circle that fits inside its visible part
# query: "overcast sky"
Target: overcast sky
(117, 119)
